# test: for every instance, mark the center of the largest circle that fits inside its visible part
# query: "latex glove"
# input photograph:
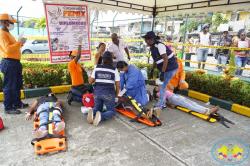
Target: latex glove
(22, 40)
(121, 93)
(162, 76)
(116, 99)
(28, 116)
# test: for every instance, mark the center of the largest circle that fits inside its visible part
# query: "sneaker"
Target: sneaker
(13, 111)
(90, 117)
(59, 127)
(22, 106)
(40, 133)
(97, 119)
(70, 98)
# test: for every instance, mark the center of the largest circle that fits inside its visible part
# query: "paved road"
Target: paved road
(182, 140)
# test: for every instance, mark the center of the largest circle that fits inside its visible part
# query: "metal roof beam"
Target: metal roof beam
(117, 3)
(196, 5)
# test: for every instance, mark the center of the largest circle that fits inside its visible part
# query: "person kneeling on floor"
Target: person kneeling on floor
(42, 107)
(106, 81)
(133, 83)
(76, 73)
(178, 100)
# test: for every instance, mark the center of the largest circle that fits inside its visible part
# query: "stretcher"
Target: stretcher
(216, 117)
(152, 122)
(50, 143)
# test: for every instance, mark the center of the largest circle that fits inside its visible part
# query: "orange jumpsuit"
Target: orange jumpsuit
(178, 81)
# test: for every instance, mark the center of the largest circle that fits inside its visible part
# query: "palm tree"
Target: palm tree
(41, 24)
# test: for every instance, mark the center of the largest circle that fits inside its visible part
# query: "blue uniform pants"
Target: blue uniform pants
(109, 101)
(12, 83)
(167, 77)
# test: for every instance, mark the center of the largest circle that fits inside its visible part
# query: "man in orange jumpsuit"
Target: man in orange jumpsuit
(178, 81)
(11, 66)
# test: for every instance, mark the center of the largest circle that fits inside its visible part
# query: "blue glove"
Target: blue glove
(162, 76)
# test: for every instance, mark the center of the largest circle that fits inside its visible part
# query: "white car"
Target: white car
(35, 46)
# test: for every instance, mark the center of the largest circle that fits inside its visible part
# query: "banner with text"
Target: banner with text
(67, 27)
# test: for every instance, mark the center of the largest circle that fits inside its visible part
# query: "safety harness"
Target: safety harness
(52, 110)
(140, 109)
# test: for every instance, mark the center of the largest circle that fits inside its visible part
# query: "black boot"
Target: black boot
(70, 98)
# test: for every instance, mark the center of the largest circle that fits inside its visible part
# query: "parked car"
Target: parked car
(134, 49)
(35, 46)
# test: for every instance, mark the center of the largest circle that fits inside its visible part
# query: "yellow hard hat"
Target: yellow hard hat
(7, 17)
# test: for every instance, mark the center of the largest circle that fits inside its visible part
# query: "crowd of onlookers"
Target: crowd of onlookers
(242, 57)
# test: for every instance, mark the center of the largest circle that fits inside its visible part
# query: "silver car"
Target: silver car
(35, 47)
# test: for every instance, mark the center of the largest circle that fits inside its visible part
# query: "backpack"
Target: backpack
(1, 124)
(88, 100)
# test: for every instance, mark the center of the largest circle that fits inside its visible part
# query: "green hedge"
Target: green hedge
(42, 74)
(236, 91)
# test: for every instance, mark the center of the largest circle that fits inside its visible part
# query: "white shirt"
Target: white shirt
(118, 51)
(204, 39)
(161, 48)
(117, 75)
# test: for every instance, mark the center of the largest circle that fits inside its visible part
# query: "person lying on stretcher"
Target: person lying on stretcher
(178, 100)
(43, 106)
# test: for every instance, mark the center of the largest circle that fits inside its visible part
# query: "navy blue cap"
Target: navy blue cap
(150, 35)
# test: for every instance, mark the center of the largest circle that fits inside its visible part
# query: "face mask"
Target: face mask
(122, 72)
(11, 27)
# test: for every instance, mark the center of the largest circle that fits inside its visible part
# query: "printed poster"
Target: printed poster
(66, 26)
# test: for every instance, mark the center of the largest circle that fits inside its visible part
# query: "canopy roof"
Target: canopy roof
(163, 7)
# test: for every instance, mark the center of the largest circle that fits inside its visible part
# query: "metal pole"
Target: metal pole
(113, 22)
(172, 30)
(185, 33)
(17, 15)
(142, 25)
(154, 15)
(153, 23)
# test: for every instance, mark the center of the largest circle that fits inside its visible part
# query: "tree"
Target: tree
(30, 23)
(192, 25)
(218, 19)
(37, 23)
(41, 24)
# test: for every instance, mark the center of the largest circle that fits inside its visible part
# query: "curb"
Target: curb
(239, 109)
(29, 93)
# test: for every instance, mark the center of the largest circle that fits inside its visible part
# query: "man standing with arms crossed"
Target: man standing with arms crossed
(11, 66)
